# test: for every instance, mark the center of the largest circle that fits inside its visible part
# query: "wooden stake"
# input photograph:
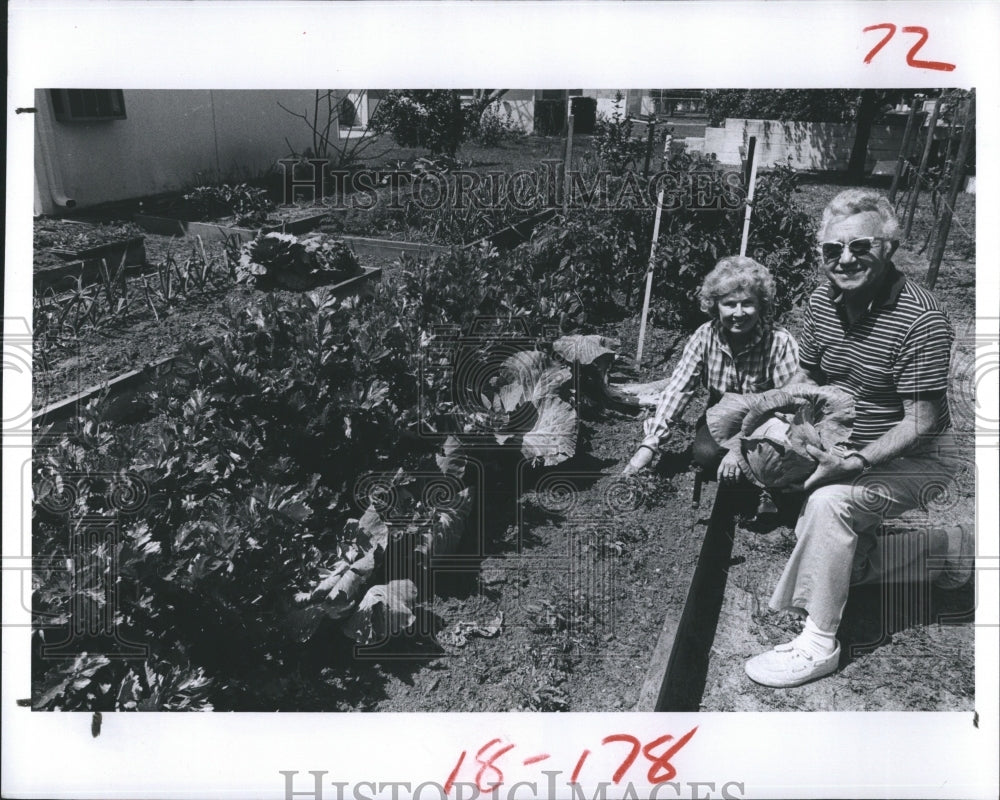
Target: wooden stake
(567, 182)
(750, 187)
(748, 164)
(652, 260)
(958, 175)
(904, 148)
(912, 207)
(649, 149)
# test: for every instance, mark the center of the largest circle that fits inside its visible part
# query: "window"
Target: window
(87, 105)
(348, 116)
(352, 113)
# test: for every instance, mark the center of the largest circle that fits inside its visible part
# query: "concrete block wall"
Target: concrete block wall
(802, 145)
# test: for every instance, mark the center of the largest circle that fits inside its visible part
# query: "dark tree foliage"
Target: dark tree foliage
(432, 118)
(801, 105)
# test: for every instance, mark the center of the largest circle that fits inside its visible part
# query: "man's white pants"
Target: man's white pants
(838, 543)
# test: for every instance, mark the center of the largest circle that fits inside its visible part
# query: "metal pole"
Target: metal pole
(931, 127)
(567, 182)
(958, 174)
(904, 148)
(750, 188)
(652, 261)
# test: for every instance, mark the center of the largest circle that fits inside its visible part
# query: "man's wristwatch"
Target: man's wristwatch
(866, 465)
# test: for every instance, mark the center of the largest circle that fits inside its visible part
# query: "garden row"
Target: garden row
(281, 498)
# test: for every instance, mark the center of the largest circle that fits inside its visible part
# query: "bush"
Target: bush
(433, 119)
(492, 128)
(550, 117)
(617, 151)
(782, 238)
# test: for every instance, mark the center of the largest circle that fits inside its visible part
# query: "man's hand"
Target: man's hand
(729, 470)
(639, 461)
(830, 468)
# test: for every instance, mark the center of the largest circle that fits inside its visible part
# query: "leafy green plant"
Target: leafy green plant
(296, 262)
(494, 128)
(692, 240)
(249, 205)
(249, 482)
(616, 148)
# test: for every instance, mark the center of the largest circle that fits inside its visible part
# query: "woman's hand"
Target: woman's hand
(639, 461)
(729, 470)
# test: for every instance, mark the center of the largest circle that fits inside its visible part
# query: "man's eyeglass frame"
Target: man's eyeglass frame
(862, 246)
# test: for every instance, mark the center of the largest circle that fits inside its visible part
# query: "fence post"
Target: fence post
(567, 181)
(915, 193)
(649, 149)
(904, 148)
(958, 174)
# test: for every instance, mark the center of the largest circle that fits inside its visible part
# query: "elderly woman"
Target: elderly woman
(738, 350)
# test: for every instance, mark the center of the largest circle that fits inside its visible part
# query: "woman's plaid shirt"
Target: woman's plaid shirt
(767, 361)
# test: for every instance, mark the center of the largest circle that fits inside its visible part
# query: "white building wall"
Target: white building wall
(802, 145)
(170, 140)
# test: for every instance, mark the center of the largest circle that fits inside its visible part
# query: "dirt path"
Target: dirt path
(582, 584)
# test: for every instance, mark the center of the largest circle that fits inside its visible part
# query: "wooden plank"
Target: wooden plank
(390, 248)
(214, 231)
(675, 678)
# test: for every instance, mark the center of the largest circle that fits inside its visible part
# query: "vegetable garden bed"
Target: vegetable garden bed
(225, 228)
(67, 251)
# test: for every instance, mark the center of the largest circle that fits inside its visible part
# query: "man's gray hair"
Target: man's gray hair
(857, 201)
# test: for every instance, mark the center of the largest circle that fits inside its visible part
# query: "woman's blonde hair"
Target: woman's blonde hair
(738, 272)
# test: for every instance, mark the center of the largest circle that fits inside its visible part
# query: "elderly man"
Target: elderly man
(883, 339)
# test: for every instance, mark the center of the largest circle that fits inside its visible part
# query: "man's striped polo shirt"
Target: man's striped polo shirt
(900, 348)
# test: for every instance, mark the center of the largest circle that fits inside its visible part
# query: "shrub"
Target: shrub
(617, 151)
(492, 128)
(782, 238)
(803, 105)
(433, 119)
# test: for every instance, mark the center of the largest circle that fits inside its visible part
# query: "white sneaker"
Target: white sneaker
(960, 559)
(787, 666)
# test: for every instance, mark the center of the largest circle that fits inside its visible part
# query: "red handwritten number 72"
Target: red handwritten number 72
(911, 58)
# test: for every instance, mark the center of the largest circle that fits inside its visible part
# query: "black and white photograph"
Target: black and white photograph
(598, 423)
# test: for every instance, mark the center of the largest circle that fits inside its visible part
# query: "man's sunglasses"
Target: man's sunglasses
(832, 251)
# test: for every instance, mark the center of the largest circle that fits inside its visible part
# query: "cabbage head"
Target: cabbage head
(775, 453)
(770, 432)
